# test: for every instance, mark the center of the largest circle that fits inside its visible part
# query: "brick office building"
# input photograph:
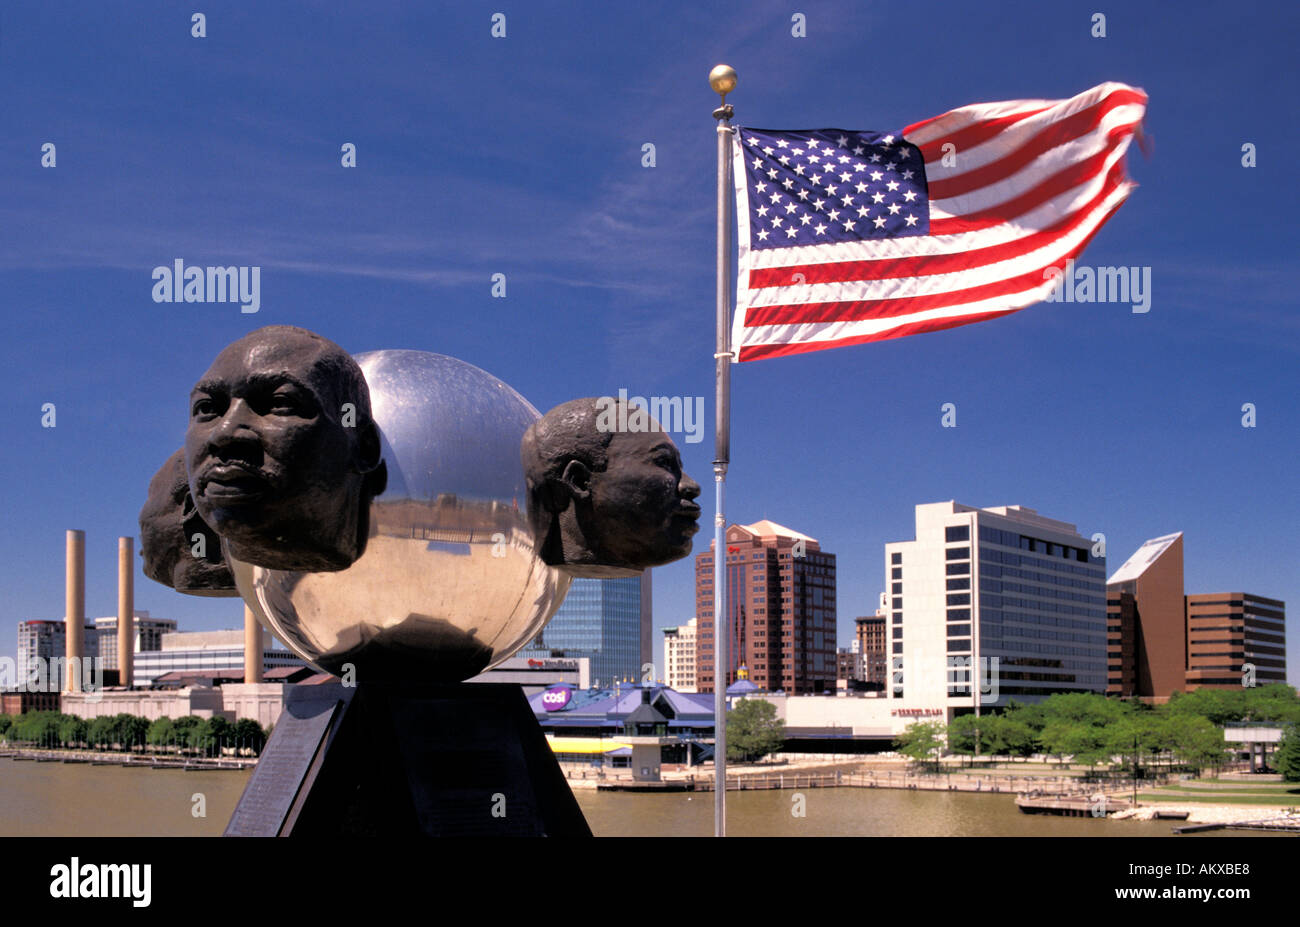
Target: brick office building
(781, 605)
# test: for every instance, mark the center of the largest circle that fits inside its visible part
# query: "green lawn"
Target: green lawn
(1280, 801)
(1278, 789)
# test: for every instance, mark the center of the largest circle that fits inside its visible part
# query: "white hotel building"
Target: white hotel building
(991, 604)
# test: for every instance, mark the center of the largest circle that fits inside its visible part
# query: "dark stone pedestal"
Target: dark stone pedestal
(382, 760)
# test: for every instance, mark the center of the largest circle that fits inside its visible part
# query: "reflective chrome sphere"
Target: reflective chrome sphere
(450, 582)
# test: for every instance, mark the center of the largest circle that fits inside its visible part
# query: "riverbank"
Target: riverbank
(144, 760)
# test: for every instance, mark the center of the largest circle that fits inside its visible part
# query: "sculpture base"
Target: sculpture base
(380, 760)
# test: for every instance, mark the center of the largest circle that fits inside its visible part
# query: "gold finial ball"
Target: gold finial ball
(723, 79)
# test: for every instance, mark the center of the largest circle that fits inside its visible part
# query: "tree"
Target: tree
(161, 732)
(248, 733)
(72, 730)
(753, 730)
(132, 730)
(38, 727)
(211, 735)
(1017, 736)
(6, 722)
(962, 735)
(921, 741)
(100, 731)
(1195, 741)
(1286, 759)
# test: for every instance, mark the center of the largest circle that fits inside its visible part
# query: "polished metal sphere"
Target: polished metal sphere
(450, 582)
(723, 79)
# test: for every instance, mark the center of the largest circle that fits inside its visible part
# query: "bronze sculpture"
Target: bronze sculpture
(607, 502)
(179, 549)
(282, 452)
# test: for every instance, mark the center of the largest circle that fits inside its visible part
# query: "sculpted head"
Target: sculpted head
(282, 453)
(178, 547)
(606, 491)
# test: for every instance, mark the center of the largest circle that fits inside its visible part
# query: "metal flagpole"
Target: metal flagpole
(723, 80)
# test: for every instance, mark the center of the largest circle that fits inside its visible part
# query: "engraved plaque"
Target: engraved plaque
(286, 764)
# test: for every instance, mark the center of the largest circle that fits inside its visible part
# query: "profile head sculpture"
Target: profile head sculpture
(179, 549)
(282, 453)
(606, 491)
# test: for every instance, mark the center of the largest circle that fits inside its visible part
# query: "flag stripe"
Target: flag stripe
(1101, 141)
(762, 351)
(1016, 134)
(927, 130)
(1010, 209)
(895, 267)
(970, 136)
(856, 310)
(1053, 135)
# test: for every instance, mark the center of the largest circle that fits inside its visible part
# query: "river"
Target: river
(58, 799)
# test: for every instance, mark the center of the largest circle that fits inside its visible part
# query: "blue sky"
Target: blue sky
(523, 155)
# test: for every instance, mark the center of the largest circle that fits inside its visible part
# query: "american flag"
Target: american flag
(848, 237)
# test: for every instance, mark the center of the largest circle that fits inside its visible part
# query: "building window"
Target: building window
(898, 633)
(961, 646)
(956, 533)
(897, 589)
(958, 569)
(962, 583)
(959, 630)
(959, 598)
(898, 602)
(898, 647)
(896, 558)
(957, 553)
(896, 573)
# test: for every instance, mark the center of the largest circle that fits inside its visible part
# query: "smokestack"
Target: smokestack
(125, 611)
(75, 611)
(252, 647)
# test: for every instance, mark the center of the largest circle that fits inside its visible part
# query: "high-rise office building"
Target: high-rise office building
(679, 657)
(873, 648)
(1235, 639)
(848, 664)
(47, 641)
(781, 610)
(1162, 641)
(607, 620)
(148, 635)
(1000, 584)
(1146, 627)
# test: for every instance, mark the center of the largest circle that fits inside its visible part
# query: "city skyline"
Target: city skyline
(226, 151)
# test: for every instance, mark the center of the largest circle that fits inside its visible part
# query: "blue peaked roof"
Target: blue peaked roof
(593, 706)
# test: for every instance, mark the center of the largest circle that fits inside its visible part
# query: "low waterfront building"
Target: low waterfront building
(590, 726)
(536, 674)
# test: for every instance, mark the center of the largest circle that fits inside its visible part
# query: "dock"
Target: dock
(1073, 805)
